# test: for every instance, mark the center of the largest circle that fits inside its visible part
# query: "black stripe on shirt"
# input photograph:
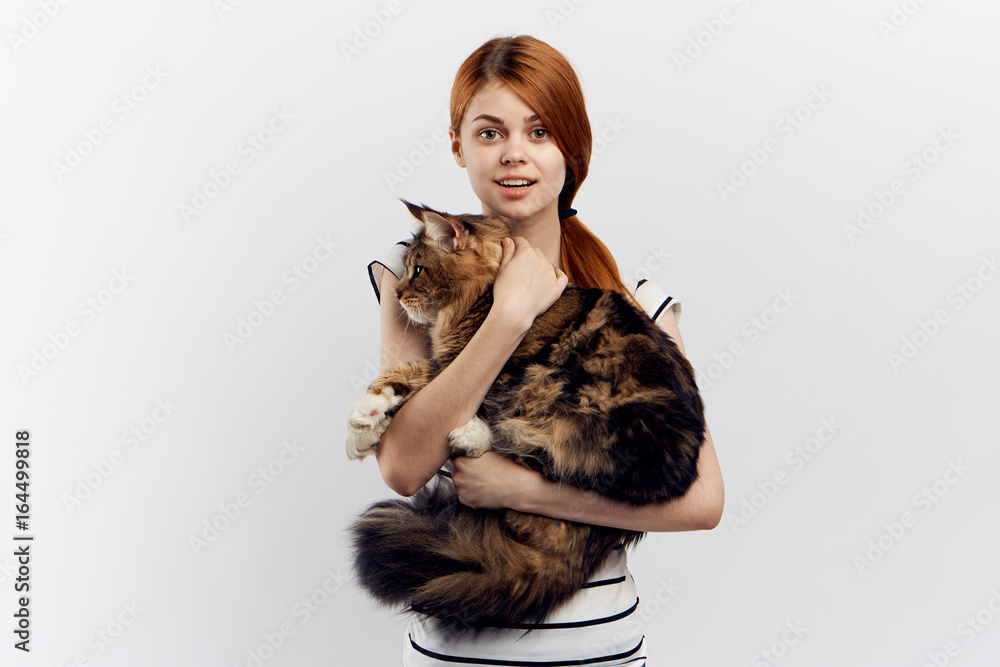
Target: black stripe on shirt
(662, 306)
(604, 582)
(570, 624)
(522, 663)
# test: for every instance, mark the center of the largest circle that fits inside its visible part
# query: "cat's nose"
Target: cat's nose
(399, 295)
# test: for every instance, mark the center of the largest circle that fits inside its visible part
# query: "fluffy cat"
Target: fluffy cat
(596, 396)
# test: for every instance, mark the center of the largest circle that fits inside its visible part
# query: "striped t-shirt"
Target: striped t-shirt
(599, 626)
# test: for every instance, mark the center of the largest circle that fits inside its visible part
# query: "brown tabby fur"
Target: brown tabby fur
(595, 395)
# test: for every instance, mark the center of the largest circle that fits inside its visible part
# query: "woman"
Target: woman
(520, 129)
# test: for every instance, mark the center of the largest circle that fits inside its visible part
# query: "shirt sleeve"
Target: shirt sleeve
(655, 301)
(392, 261)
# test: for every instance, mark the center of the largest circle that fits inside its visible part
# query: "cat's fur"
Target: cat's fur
(596, 396)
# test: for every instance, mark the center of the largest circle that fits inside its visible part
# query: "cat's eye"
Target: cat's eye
(417, 270)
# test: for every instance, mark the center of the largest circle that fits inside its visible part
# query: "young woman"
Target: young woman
(520, 129)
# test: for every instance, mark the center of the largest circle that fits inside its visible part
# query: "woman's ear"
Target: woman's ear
(456, 147)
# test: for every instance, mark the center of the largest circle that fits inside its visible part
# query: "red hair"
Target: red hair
(545, 80)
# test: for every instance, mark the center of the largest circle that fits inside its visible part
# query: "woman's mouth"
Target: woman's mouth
(515, 187)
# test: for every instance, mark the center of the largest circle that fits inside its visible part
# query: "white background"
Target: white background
(672, 132)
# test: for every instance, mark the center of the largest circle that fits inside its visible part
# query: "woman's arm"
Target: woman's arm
(492, 482)
(415, 444)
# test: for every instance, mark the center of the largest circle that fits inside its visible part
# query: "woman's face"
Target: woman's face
(501, 138)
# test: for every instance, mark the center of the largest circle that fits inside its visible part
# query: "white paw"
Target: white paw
(474, 437)
(367, 422)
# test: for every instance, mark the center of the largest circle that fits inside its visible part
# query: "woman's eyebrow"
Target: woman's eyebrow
(494, 119)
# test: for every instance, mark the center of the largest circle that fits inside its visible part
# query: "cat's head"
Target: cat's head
(451, 262)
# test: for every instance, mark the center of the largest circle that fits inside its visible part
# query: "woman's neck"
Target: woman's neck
(544, 235)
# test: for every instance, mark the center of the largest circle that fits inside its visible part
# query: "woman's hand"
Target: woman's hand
(526, 285)
(492, 481)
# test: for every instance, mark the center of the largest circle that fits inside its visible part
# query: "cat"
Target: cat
(596, 395)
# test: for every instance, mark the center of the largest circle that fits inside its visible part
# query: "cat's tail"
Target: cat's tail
(399, 544)
(472, 569)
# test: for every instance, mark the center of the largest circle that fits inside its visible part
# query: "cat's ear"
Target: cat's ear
(444, 230)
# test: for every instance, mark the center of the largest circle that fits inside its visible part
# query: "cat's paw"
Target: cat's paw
(472, 438)
(367, 422)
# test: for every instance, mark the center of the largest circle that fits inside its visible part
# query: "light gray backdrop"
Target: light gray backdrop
(191, 192)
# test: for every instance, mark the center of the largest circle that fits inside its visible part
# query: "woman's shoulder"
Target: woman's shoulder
(653, 299)
(391, 260)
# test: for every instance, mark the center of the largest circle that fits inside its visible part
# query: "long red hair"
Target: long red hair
(545, 80)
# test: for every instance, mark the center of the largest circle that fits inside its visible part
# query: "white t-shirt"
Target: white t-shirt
(599, 626)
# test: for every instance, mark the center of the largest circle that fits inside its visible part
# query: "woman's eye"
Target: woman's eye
(542, 130)
(493, 134)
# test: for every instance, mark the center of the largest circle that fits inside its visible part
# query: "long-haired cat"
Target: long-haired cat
(595, 395)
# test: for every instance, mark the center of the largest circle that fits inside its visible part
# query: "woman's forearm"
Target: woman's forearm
(415, 444)
(699, 509)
